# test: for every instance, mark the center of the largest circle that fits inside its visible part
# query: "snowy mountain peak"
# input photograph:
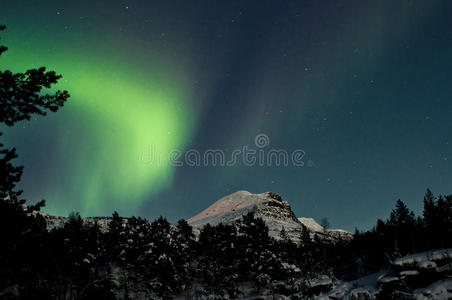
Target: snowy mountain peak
(269, 206)
(233, 202)
(311, 224)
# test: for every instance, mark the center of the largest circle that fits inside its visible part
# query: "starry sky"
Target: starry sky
(362, 87)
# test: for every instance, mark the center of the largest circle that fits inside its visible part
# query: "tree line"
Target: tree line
(403, 233)
(81, 260)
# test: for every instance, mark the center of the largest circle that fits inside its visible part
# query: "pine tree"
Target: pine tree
(283, 235)
(259, 263)
(429, 208)
(21, 95)
(402, 228)
(448, 221)
(401, 215)
(116, 240)
(9, 174)
(159, 260)
(437, 221)
(22, 228)
(138, 239)
(184, 240)
(286, 248)
(219, 259)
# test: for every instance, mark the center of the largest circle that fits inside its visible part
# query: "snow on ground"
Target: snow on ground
(425, 259)
(362, 288)
(440, 290)
(427, 274)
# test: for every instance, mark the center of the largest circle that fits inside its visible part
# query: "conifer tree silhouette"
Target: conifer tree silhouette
(21, 97)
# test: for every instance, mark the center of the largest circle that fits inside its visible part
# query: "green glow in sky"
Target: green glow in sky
(115, 115)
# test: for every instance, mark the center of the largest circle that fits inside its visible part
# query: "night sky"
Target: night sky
(364, 88)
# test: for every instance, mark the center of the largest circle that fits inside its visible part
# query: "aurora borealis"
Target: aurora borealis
(364, 88)
(117, 113)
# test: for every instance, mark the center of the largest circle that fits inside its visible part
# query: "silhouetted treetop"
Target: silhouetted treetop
(401, 215)
(21, 94)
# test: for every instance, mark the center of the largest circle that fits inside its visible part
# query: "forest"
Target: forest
(133, 256)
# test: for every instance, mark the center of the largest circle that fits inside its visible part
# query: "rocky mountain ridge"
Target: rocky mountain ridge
(269, 206)
(276, 213)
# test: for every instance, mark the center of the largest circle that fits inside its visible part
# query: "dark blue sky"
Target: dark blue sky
(364, 88)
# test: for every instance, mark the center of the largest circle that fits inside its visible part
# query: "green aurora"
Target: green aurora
(116, 115)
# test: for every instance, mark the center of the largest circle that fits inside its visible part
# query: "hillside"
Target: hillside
(276, 213)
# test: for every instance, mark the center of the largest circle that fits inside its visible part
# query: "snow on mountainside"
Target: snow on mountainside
(276, 213)
(313, 226)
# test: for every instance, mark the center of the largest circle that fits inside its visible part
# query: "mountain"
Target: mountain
(316, 228)
(276, 213)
